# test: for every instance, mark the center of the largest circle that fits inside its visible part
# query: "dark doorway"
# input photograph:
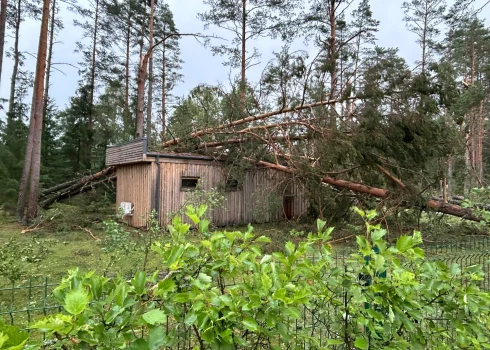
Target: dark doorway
(287, 207)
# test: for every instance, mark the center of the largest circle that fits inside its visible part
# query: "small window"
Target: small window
(232, 185)
(189, 183)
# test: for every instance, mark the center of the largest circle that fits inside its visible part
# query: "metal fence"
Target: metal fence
(32, 299)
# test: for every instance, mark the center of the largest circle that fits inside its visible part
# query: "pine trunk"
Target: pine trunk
(150, 75)
(92, 87)
(243, 82)
(15, 69)
(164, 95)
(37, 113)
(50, 58)
(127, 114)
(3, 22)
(140, 94)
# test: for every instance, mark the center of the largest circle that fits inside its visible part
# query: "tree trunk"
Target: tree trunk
(50, 57)
(253, 118)
(243, 82)
(431, 204)
(37, 113)
(127, 115)
(3, 22)
(332, 52)
(164, 94)
(92, 87)
(15, 69)
(75, 186)
(141, 81)
(141, 95)
(150, 75)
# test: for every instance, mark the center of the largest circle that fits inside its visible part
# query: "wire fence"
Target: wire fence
(29, 300)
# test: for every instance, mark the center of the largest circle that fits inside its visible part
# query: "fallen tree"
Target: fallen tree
(74, 187)
(253, 118)
(431, 204)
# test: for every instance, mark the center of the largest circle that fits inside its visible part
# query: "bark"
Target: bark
(77, 186)
(142, 71)
(140, 94)
(50, 57)
(431, 204)
(243, 83)
(164, 95)
(253, 118)
(272, 139)
(127, 115)
(26, 171)
(3, 22)
(37, 113)
(59, 187)
(332, 52)
(92, 86)
(15, 69)
(150, 75)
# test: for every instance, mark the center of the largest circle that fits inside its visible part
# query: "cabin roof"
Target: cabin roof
(136, 151)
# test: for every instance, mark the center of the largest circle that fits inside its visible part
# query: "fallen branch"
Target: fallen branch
(89, 232)
(254, 118)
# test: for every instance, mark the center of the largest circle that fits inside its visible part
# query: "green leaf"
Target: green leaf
(376, 235)
(404, 243)
(361, 343)
(3, 339)
(51, 324)
(204, 225)
(139, 282)
(156, 337)
(250, 324)
(76, 301)
(205, 278)
(190, 318)
(165, 286)
(139, 344)
(294, 312)
(201, 210)
(181, 298)
(320, 224)
(155, 317)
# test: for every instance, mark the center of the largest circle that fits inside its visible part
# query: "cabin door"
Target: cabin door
(287, 207)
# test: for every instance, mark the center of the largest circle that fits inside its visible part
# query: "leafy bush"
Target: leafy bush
(228, 293)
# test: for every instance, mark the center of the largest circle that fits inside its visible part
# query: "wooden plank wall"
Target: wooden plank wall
(258, 200)
(129, 152)
(135, 183)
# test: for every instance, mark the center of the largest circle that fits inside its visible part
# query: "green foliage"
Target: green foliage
(232, 294)
(15, 257)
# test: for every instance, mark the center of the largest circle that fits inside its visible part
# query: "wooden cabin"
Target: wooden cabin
(164, 182)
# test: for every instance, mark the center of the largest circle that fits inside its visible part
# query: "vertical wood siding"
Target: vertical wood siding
(259, 199)
(134, 184)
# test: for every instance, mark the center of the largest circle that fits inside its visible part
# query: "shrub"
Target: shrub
(230, 294)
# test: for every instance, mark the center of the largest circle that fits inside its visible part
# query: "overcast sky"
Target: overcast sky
(200, 66)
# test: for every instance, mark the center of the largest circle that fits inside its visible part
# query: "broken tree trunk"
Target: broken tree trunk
(81, 185)
(431, 204)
